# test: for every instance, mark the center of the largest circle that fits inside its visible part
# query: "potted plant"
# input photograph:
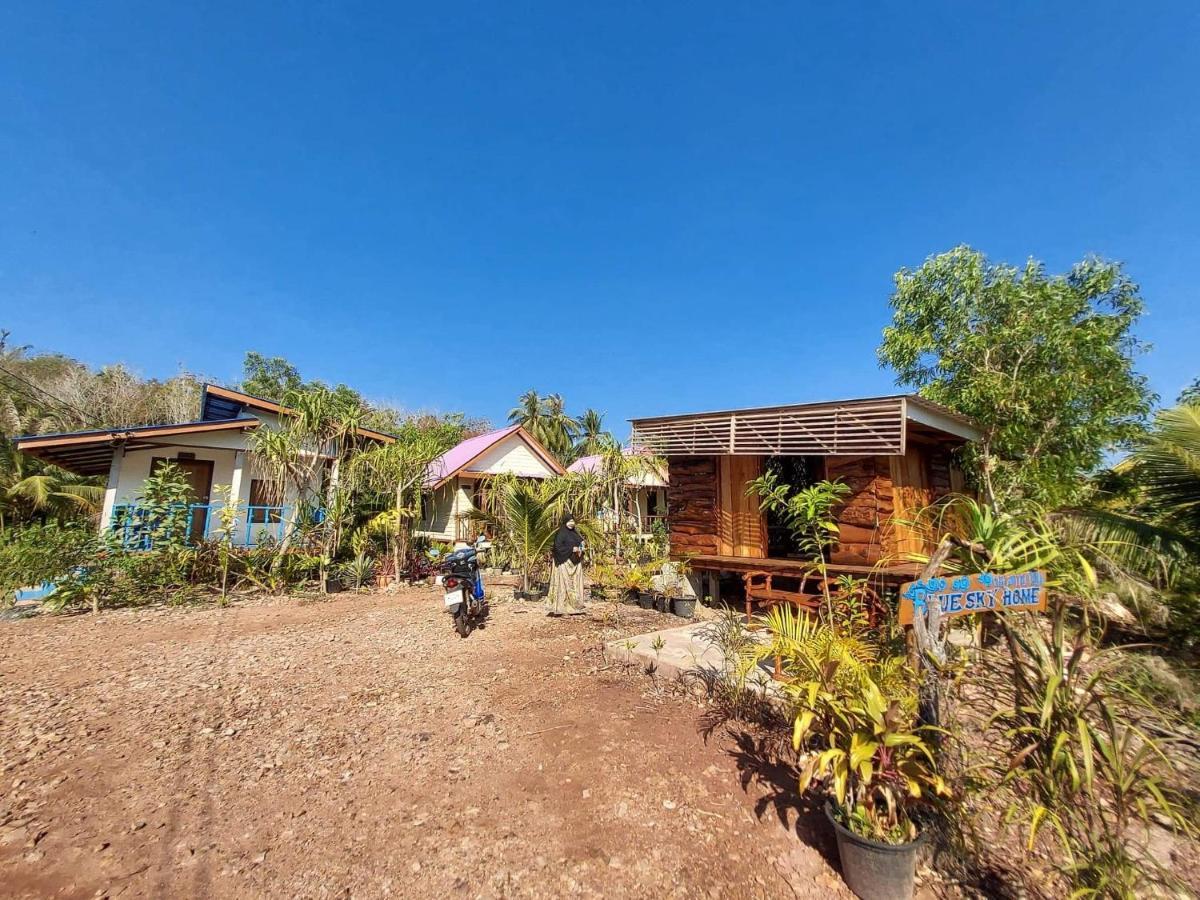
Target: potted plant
(385, 571)
(633, 583)
(855, 718)
(683, 601)
(878, 769)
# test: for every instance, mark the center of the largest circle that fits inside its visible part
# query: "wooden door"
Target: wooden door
(198, 473)
(742, 531)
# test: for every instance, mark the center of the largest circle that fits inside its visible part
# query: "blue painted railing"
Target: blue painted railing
(137, 525)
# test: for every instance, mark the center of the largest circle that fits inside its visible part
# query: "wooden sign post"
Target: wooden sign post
(958, 595)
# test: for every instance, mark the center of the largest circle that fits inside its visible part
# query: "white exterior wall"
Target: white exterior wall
(135, 467)
(511, 455)
(231, 467)
(447, 503)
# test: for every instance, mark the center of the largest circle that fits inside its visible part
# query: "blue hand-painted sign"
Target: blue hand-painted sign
(980, 592)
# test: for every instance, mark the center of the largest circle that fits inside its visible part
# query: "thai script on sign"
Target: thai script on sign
(980, 592)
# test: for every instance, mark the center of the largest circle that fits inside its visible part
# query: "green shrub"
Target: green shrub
(35, 554)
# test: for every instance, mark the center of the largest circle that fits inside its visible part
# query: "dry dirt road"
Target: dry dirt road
(357, 747)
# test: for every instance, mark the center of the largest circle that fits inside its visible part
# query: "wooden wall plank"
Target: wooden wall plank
(692, 504)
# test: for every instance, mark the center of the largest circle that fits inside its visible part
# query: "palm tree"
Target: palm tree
(592, 438)
(322, 431)
(523, 515)
(1167, 465)
(546, 419)
(528, 413)
(27, 492)
(398, 469)
(29, 489)
(559, 428)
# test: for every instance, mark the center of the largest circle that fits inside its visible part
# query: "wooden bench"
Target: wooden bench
(760, 589)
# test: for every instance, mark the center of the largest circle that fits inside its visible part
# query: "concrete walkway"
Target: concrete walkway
(683, 649)
(686, 651)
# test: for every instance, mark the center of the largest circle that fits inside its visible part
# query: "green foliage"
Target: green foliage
(1166, 464)
(809, 515)
(807, 512)
(271, 378)
(523, 516)
(592, 437)
(1079, 760)
(35, 554)
(360, 570)
(1190, 394)
(854, 713)
(162, 509)
(567, 437)
(31, 490)
(1080, 763)
(1043, 363)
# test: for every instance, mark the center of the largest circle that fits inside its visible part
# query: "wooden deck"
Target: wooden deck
(891, 572)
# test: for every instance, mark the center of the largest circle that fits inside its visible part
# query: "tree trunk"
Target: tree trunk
(400, 548)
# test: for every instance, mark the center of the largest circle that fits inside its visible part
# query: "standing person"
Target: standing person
(566, 582)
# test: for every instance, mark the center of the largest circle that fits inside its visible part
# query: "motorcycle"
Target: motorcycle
(462, 583)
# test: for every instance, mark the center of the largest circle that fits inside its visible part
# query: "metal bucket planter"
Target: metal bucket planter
(874, 870)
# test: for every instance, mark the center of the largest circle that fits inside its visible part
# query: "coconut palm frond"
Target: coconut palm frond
(1128, 542)
(1168, 465)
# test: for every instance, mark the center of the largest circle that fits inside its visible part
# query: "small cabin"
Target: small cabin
(897, 454)
(456, 482)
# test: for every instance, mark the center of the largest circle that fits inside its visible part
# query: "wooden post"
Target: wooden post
(924, 638)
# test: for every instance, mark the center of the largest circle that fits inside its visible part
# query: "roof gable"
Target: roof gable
(476, 453)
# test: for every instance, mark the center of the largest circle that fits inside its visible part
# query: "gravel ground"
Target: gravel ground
(358, 747)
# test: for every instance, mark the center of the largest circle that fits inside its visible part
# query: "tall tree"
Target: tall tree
(592, 437)
(558, 428)
(1191, 394)
(528, 413)
(269, 377)
(1043, 363)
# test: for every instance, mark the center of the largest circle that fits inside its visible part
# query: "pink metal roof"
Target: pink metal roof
(595, 463)
(587, 464)
(461, 454)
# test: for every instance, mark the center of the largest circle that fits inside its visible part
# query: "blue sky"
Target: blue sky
(650, 208)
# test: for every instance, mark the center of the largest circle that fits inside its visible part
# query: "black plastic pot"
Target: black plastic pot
(336, 585)
(874, 870)
(684, 607)
(662, 604)
(645, 601)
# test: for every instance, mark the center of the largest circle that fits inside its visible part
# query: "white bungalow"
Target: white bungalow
(456, 480)
(211, 451)
(645, 499)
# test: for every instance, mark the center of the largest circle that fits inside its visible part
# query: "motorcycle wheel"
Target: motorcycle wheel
(461, 622)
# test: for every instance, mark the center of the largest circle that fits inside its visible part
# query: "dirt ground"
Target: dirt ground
(356, 747)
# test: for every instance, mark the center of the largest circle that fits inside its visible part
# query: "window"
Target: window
(264, 497)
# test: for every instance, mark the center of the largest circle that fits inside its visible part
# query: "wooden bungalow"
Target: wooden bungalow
(896, 454)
